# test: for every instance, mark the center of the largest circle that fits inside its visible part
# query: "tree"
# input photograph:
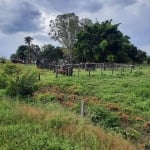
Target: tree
(50, 54)
(100, 41)
(85, 22)
(28, 41)
(140, 56)
(13, 56)
(35, 52)
(111, 58)
(64, 29)
(148, 59)
(20, 53)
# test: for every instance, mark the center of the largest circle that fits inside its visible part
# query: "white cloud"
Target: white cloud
(133, 14)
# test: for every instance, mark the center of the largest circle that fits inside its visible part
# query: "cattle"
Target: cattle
(66, 70)
(19, 61)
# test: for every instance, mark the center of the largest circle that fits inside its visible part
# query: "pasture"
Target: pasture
(119, 101)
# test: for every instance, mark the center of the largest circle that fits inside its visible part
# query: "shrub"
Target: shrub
(2, 60)
(3, 81)
(11, 69)
(131, 133)
(24, 85)
(105, 117)
(45, 98)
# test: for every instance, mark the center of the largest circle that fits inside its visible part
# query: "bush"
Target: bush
(104, 117)
(45, 98)
(3, 81)
(23, 85)
(11, 69)
(131, 133)
(2, 60)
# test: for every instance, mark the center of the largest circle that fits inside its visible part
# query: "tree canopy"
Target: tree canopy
(103, 42)
(65, 28)
(23, 53)
(50, 53)
(82, 41)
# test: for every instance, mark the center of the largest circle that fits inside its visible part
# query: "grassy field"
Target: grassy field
(118, 102)
(50, 127)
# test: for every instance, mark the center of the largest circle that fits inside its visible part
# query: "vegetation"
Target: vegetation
(40, 111)
(103, 42)
(117, 102)
(82, 41)
(18, 82)
(23, 126)
(64, 29)
(50, 54)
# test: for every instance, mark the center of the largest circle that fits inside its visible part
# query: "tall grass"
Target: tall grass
(24, 126)
(126, 93)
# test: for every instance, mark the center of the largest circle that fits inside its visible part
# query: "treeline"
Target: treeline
(82, 41)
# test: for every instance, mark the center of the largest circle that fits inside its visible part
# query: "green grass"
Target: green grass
(124, 97)
(50, 127)
(128, 90)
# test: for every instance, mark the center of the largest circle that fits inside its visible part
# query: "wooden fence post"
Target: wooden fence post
(78, 71)
(39, 77)
(89, 72)
(82, 108)
(56, 72)
(112, 70)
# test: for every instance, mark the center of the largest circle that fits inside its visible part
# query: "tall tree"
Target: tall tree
(35, 52)
(85, 22)
(28, 40)
(20, 53)
(100, 41)
(64, 29)
(50, 53)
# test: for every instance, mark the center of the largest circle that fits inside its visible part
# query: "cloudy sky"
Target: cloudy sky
(21, 18)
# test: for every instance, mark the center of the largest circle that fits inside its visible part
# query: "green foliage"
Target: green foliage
(2, 60)
(3, 81)
(24, 85)
(104, 117)
(22, 128)
(64, 29)
(11, 69)
(131, 133)
(28, 40)
(49, 54)
(143, 92)
(20, 53)
(100, 40)
(130, 92)
(45, 97)
(111, 58)
(148, 59)
(137, 73)
(56, 123)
